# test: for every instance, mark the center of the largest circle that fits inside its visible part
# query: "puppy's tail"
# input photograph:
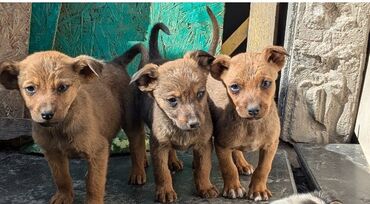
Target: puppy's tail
(153, 40)
(215, 32)
(131, 53)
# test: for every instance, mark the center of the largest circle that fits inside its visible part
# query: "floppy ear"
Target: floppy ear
(9, 74)
(87, 67)
(203, 58)
(146, 78)
(275, 55)
(219, 66)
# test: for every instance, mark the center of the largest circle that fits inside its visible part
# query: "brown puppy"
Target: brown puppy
(245, 117)
(155, 57)
(67, 98)
(174, 106)
(138, 176)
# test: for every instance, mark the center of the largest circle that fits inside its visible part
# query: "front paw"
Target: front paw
(244, 168)
(62, 198)
(258, 191)
(233, 190)
(137, 177)
(165, 195)
(211, 192)
(175, 165)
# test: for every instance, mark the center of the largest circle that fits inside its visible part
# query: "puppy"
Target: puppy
(155, 57)
(312, 198)
(245, 117)
(174, 106)
(76, 105)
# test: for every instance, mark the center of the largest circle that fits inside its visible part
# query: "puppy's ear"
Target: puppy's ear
(219, 66)
(275, 55)
(87, 67)
(146, 78)
(203, 58)
(9, 74)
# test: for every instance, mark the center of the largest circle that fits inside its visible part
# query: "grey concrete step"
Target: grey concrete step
(26, 179)
(340, 169)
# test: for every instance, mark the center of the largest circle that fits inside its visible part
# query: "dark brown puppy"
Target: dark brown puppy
(245, 117)
(174, 106)
(67, 98)
(137, 141)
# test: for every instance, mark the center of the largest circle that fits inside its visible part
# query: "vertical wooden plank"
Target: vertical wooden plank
(14, 38)
(14, 30)
(44, 22)
(262, 23)
(362, 127)
(190, 26)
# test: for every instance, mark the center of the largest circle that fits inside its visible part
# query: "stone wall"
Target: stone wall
(322, 80)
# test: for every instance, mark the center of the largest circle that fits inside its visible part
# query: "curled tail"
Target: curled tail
(131, 53)
(153, 40)
(215, 32)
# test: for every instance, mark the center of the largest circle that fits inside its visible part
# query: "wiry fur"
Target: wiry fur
(183, 79)
(83, 124)
(235, 130)
(308, 198)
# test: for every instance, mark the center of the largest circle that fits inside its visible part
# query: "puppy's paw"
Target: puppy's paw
(165, 194)
(95, 200)
(233, 191)
(62, 198)
(175, 165)
(244, 168)
(258, 192)
(137, 178)
(211, 192)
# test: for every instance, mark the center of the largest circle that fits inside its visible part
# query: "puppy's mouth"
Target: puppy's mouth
(48, 124)
(253, 118)
(189, 129)
(186, 128)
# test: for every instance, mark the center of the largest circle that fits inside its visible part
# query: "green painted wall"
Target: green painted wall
(106, 30)
(189, 23)
(44, 21)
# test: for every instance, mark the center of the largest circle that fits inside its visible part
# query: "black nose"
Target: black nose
(194, 124)
(47, 115)
(253, 111)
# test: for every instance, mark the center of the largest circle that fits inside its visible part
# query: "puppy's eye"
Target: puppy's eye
(265, 84)
(235, 88)
(172, 102)
(200, 94)
(62, 88)
(30, 90)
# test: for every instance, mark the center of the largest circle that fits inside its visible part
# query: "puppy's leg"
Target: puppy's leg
(59, 166)
(136, 136)
(96, 176)
(164, 191)
(244, 168)
(174, 163)
(203, 164)
(232, 186)
(258, 186)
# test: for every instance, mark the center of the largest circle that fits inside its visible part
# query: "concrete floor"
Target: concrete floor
(26, 179)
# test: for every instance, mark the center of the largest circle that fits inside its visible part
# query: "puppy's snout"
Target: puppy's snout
(193, 123)
(253, 110)
(47, 115)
